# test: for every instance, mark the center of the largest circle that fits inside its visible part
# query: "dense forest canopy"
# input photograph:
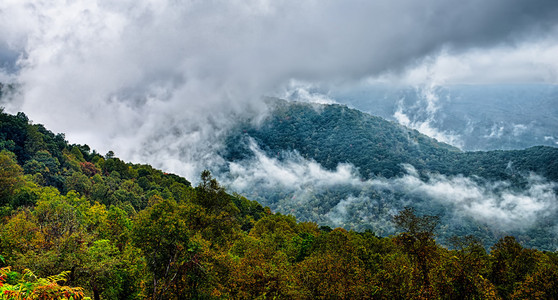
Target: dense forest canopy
(75, 223)
(333, 134)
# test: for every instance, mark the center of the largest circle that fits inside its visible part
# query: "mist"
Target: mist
(290, 183)
(424, 114)
(162, 81)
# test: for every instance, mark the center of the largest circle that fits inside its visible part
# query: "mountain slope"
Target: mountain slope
(126, 231)
(342, 167)
(334, 134)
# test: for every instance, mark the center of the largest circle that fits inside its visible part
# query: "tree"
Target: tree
(48, 160)
(334, 270)
(88, 168)
(55, 214)
(77, 154)
(417, 240)
(461, 273)
(210, 194)
(510, 264)
(99, 268)
(19, 234)
(10, 176)
(78, 182)
(161, 232)
(109, 154)
(13, 134)
(34, 141)
(261, 271)
(220, 213)
(541, 284)
(117, 227)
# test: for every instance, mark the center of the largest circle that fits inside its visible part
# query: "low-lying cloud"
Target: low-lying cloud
(494, 203)
(297, 183)
(287, 171)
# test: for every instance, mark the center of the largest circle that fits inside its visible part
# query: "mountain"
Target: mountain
(473, 117)
(77, 224)
(369, 167)
(334, 134)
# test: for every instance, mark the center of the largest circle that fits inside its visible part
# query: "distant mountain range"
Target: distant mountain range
(353, 169)
(473, 117)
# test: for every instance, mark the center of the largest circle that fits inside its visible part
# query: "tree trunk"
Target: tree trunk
(96, 295)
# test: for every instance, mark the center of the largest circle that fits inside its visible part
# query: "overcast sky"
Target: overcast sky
(149, 78)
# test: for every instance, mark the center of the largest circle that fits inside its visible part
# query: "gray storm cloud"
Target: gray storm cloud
(162, 81)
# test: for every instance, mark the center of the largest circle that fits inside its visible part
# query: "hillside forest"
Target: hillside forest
(78, 224)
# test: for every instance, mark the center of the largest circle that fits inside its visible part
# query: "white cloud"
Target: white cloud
(519, 129)
(292, 173)
(424, 115)
(495, 132)
(162, 81)
(496, 204)
(522, 63)
(305, 92)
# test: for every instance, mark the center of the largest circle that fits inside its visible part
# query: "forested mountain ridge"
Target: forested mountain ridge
(128, 231)
(333, 134)
(486, 193)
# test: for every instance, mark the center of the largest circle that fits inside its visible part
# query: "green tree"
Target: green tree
(30, 286)
(417, 240)
(117, 227)
(78, 182)
(10, 176)
(510, 264)
(334, 270)
(162, 234)
(541, 284)
(52, 163)
(210, 194)
(99, 268)
(34, 141)
(462, 273)
(220, 214)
